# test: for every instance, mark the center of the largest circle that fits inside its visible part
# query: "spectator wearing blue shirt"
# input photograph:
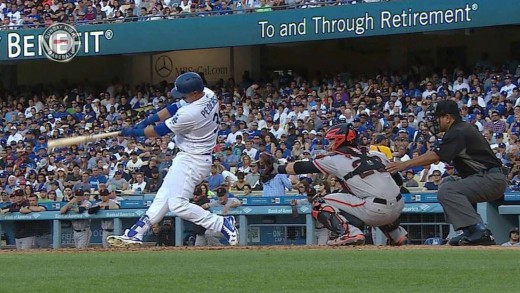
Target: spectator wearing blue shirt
(96, 178)
(215, 179)
(277, 185)
(229, 159)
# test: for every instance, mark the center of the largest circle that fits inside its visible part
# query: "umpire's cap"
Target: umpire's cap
(446, 107)
(187, 83)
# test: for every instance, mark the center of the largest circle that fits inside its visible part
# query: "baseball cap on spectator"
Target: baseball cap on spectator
(448, 166)
(355, 119)
(104, 192)
(410, 171)
(313, 132)
(402, 131)
(502, 145)
(306, 152)
(78, 192)
(112, 158)
(499, 135)
(50, 116)
(221, 191)
(380, 138)
(18, 192)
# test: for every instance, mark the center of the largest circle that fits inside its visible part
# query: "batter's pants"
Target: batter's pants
(186, 172)
(456, 196)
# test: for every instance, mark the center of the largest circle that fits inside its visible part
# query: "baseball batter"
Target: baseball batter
(374, 197)
(195, 124)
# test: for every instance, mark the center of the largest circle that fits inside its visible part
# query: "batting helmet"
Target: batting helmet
(187, 83)
(343, 135)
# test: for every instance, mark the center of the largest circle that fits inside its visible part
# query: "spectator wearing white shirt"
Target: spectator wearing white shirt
(460, 83)
(250, 150)
(14, 135)
(508, 86)
(139, 186)
(429, 90)
(232, 136)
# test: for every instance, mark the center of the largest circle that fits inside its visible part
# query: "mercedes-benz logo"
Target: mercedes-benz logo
(163, 66)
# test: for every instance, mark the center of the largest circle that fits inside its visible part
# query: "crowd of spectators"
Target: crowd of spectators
(15, 14)
(286, 116)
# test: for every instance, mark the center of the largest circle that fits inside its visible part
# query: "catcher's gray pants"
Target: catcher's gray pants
(25, 243)
(209, 238)
(368, 211)
(43, 241)
(82, 239)
(104, 238)
(456, 196)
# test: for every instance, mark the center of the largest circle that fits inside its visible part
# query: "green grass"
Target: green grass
(291, 270)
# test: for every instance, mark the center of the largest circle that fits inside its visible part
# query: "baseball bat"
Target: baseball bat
(76, 140)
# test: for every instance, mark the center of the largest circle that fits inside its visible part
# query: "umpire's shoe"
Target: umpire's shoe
(229, 230)
(476, 238)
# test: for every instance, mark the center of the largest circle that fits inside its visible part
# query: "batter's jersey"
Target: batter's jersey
(373, 184)
(196, 124)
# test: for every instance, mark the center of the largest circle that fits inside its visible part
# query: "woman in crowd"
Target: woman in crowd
(240, 183)
(244, 165)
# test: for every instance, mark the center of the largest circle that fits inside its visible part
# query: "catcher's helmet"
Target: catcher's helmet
(343, 135)
(187, 83)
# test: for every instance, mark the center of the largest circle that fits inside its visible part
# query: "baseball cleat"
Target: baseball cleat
(402, 241)
(229, 230)
(124, 241)
(486, 238)
(347, 240)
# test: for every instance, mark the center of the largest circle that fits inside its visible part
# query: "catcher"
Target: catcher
(373, 196)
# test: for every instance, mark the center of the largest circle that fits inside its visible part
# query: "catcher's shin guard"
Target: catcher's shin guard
(327, 216)
(396, 234)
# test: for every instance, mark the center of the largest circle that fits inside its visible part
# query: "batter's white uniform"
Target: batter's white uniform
(195, 126)
(364, 189)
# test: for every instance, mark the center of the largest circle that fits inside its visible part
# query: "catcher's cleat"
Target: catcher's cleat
(347, 240)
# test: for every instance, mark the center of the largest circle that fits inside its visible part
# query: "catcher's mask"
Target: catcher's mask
(343, 135)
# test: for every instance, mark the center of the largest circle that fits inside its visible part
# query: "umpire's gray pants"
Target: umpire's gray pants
(456, 196)
(24, 243)
(82, 239)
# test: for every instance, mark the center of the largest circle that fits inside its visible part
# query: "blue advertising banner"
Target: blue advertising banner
(295, 25)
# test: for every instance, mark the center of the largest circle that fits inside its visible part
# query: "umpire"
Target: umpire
(482, 179)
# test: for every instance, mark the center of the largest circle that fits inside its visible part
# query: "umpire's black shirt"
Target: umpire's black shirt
(467, 149)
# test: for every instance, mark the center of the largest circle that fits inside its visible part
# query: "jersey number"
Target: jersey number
(216, 119)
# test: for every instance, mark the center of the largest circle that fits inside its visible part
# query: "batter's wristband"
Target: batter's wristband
(172, 109)
(282, 169)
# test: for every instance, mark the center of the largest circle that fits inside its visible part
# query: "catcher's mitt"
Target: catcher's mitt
(267, 166)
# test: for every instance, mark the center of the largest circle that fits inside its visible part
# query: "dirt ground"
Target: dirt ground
(258, 248)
